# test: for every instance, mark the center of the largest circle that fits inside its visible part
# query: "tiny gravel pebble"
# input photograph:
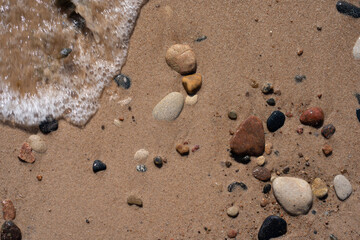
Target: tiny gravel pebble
(328, 130)
(267, 188)
(200, 39)
(123, 81)
(232, 115)
(98, 166)
(65, 52)
(232, 233)
(275, 121)
(271, 102)
(267, 88)
(272, 227)
(141, 168)
(49, 125)
(9, 211)
(327, 150)
(158, 161)
(348, 9)
(182, 149)
(332, 237)
(260, 161)
(358, 114)
(26, 154)
(234, 185)
(233, 211)
(268, 148)
(299, 78)
(286, 170)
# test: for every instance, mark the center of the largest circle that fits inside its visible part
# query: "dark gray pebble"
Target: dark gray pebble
(286, 170)
(9, 231)
(271, 102)
(234, 185)
(358, 114)
(267, 188)
(332, 237)
(272, 227)
(123, 81)
(328, 130)
(275, 121)
(65, 52)
(357, 95)
(98, 166)
(299, 78)
(141, 168)
(232, 115)
(158, 161)
(49, 125)
(348, 9)
(202, 38)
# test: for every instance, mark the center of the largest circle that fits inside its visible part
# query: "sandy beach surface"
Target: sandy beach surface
(187, 198)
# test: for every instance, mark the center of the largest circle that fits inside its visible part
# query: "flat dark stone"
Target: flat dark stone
(98, 166)
(234, 185)
(328, 130)
(348, 9)
(65, 52)
(275, 121)
(358, 114)
(200, 39)
(267, 188)
(271, 102)
(49, 125)
(9, 231)
(123, 81)
(272, 227)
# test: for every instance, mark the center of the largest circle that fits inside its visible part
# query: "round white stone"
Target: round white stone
(37, 144)
(170, 107)
(141, 154)
(343, 188)
(191, 100)
(232, 211)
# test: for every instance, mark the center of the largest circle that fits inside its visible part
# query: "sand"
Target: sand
(187, 198)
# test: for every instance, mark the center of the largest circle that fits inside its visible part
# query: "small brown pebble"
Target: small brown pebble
(262, 173)
(133, 200)
(300, 52)
(228, 164)
(231, 132)
(327, 131)
(300, 155)
(300, 130)
(26, 153)
(9, 211)
(254, 84)
(182, 149)
(39, 177)
(195, 148)
(327, 150)
(313, 117)
(268, 148)
(232, 233)
(264, 202)
(289, 114)
(319, 96)
(121, 118)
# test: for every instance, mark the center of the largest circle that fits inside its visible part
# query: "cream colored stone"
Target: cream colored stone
(37, 143)
(181, 58)
(260, 161)
(191, 100)
(268, 148)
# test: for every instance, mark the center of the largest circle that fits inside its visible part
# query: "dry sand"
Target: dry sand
(188, 195)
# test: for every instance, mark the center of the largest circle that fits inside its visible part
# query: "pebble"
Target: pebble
(328, 130)
(254, 84)
(158, 161)
(272, 227)
(348, 9)
(200, 39)
(286, 170)
(264, 202)
(182, 149)
(327, 150)
(9, 231)
(356, 49)
(268, 148)
(9, 211)
(98, 166)
(232, 186)
(134, 200)
(141, 155)
(39, 177)
(169, 108)
(358, 114)
(293, 194)
(313, 117)
(249, 138)
(319, 188)
(49, 125)
(299, 78)
(37, 143)
(191, 100)
(195, 148)
(181, 58)
(260, 161)
(275, 121)
(262, 173)
(232, 115)
(300, 52)
(141, 168)
(232, 233)
(343, 188)
(271, 102)
(123, 81)
(192, 83)
(65, 52)
(267, 88)
(267, 188)
(26, 153)
(117, 122)
(332, 237)
(300, 130)
(233, 211)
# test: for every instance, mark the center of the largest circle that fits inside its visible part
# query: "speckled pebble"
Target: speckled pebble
(141, 168)
(267, 88)
(141, 155)
(342, 187)
(37, 143)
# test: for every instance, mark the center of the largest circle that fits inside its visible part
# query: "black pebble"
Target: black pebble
(299, 78)
(348, 9)
(267, 188)
(98, 166)
(272, 227)
(275, 121)
(271, 102)
(234, 185)
(123, 81)
(9, 231)
(286, 170)
(158, 161)
(202, 38)
(313, 212)
(49, 125)
(358, 114)
(65, 52)
(357, 95)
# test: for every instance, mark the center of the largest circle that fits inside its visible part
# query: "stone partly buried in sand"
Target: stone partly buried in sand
(272, 227)
(26, 154)
(319, 188)
(191, 100)
(192, 83)
(249, 138)
(9, 211)
(169, 108)
(37, 143)
(313, 117)
(343, 188)
(293, 194)
(134, 200)
(9, 231)
(48, 125)
(181, 58)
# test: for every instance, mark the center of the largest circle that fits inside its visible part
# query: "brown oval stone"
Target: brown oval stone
(9, 211)
(232, 233)
(26, 153)
(262, 173)
(328, 130)
(249, 138)
(313, 117)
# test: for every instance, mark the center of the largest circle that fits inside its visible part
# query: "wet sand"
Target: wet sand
(189, 194)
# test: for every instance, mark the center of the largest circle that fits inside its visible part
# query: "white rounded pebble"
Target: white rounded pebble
(232, 211)
(260, 161)
(117, 122)
(293, 194)
(191, 100)
(170, 107)
(37, 143)
(342, 187)
(141, 155)
(356, 50)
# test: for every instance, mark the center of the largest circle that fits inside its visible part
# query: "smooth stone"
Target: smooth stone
(9, 211)
(293, 194)
(232, 211)
(299, 78)
(267, 188)
(181, 58)
(272, 227)
(262, 173)
(9, 231)
(267, 88)
(268, 148)
(275, 121)
(249, 138)
(141, 155)
(123, 81)
(26, 153)
(98, 166)
(158, 161)
(37, 143)
(234, 185)
(49, 125)
(169, 108)
(141, 168)
(356, 49)
(182, 149)
(134, 200)
(271, 102)
(260, 161)
(328, 130)
(313, 117)
(348, 9)
(319, 188)
(191, 100)
(117, 122)
(192, 83)
(232, 233)
(343, 188)
(232, 115)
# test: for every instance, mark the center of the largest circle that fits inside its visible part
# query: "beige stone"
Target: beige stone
(268, 148)
(191, 100)
(9, 211)
(133, 200)
(192, 83)
(260, 161)
(233, 211)
(181, 58)
(37, 144)
(319, 188)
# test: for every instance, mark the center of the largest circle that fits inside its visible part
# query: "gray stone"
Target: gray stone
(293, 194)
(141, 155)
(342, 187)
(37, 143)
(170, 107)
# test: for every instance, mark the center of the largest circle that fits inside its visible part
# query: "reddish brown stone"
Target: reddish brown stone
(262, 173)
(232, 233)
(249, 138)
(313, 117)
(327, 131)
(300, 130)
(327, 150)
(26, 153)
(39, 177)
(9, 211)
